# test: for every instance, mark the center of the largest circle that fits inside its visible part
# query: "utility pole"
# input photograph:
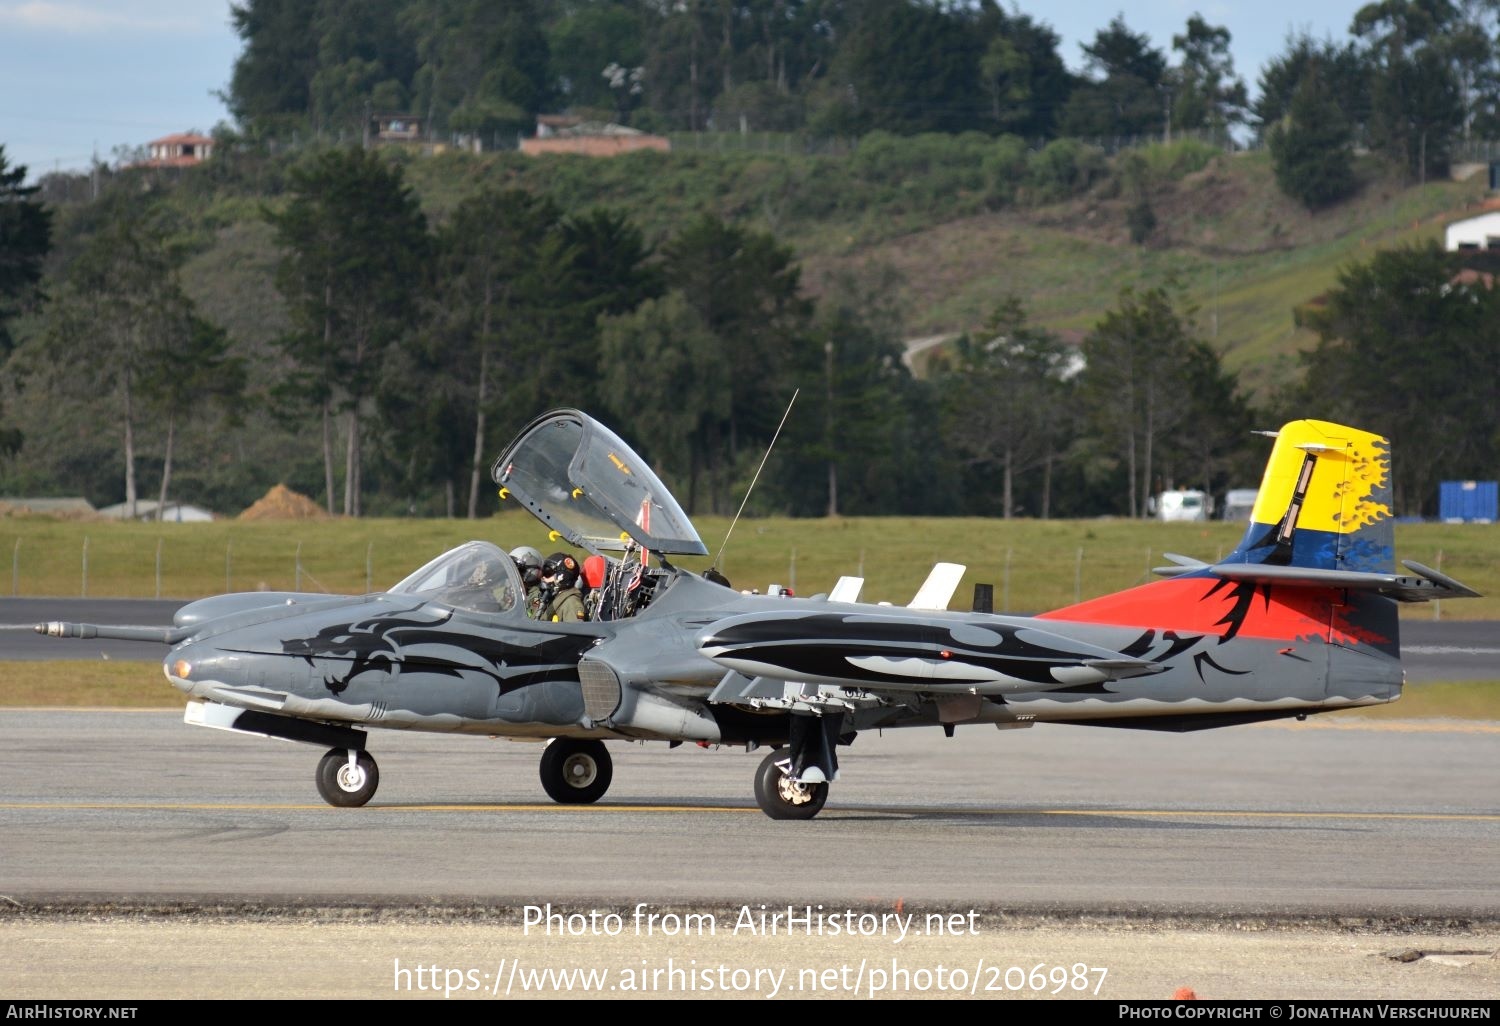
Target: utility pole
(1216, 300)
(833, 468)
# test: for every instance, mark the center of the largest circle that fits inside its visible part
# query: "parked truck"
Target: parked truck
(1239, 503)
(1183, 505)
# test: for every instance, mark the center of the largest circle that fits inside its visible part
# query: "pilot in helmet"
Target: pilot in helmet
(529, 562)
(479, 576)
(560, 574)
(481, 586)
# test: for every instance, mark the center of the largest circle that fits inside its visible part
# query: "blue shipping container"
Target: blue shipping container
(1471, 502)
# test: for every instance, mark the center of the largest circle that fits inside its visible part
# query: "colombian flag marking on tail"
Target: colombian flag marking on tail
(1349, 487)
(1324, 502)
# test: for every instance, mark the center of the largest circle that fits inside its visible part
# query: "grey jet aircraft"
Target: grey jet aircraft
(1300, 619)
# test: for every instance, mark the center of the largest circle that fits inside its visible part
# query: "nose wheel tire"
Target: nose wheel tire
(781, 797)
(347, 783)
(576, 772)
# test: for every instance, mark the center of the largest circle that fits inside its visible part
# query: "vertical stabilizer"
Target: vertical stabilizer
(1325, 502)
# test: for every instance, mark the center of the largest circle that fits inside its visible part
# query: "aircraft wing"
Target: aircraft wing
(909, 652)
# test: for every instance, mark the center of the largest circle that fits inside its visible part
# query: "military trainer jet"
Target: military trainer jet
(1299, 619)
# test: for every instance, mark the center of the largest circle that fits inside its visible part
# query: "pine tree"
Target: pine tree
(25, 238)
(1311, 150)
(354, 243)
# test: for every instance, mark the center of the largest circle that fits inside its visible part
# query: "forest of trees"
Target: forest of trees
(1413, 77)
(397, 346)
(412, 350)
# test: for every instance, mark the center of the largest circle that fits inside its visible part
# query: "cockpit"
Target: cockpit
(476, 576)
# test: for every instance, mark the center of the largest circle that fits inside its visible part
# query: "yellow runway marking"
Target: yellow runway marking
(289, 807)
(834, 813)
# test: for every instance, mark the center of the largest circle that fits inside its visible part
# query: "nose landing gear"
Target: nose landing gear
(347, 778)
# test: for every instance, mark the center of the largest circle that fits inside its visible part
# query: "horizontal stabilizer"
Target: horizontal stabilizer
(1440, 580)
(1180, 565)
(1427, 585)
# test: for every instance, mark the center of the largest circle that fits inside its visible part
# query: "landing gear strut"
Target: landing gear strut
(576, 772)
(347, 778)
(781, 797)
(793, 784)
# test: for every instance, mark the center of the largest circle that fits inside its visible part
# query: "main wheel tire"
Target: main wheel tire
(576, 772)
(782, 798)
(347, 786)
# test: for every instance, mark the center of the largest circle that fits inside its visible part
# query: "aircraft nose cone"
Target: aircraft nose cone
(205, 668)
(251, 679)
(194, 669)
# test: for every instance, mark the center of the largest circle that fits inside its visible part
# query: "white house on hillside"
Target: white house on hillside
(1482, 232)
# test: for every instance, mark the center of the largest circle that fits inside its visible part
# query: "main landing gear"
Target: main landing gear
(781, 797)
(792, 783)
(347, 777)
(576, 772)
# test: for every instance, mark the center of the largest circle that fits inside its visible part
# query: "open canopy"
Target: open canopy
(581, 480)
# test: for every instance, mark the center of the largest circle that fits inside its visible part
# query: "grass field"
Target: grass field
(1034, 565)
(86, 683)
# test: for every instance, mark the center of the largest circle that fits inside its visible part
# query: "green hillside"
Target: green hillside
(1242, 250)
(918, 236)
(1245, 254)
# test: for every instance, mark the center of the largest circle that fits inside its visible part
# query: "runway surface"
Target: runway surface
(1432, 650)
(1326, 817)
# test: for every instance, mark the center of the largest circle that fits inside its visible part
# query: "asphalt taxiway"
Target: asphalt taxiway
(1333, 817)
(144, 858)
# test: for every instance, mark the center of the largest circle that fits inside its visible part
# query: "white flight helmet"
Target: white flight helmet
(525, 555)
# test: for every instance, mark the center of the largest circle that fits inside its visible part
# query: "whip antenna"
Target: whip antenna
(754, 479)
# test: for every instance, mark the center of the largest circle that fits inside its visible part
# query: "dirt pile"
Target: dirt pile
(281, 503)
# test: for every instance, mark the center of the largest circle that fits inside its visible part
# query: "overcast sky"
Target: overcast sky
(79, 77)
